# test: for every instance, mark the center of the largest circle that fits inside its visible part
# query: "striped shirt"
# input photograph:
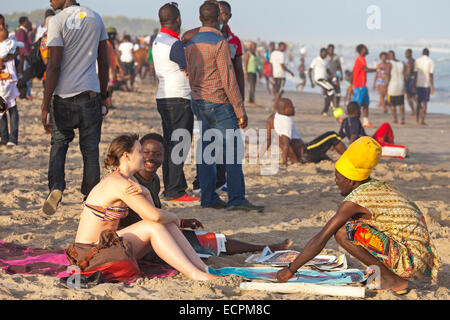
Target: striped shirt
(211, 72)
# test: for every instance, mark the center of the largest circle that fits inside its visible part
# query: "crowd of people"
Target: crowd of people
(203, 74)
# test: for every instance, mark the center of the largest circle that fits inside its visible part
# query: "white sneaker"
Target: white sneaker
(11, 144)
(196, 191)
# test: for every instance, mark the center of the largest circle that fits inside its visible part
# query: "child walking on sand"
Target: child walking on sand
(8, 92)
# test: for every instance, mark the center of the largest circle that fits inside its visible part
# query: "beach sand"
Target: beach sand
(299, 200)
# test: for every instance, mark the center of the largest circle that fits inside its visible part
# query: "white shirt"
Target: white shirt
(126, 48)
(40, 32)
(319, 67)
(424, 66)
(285, 126)
(173, 82)
(396, 85)
(277, 59)
(8, 88)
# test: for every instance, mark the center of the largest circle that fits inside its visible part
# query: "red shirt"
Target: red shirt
(359, 75)
(234, 43)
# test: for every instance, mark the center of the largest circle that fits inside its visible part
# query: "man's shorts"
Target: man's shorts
(279, 84)
(423, 94)
(361, 96)
(410, 86)
(396, 100)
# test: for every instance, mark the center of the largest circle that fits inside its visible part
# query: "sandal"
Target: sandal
(400, 292)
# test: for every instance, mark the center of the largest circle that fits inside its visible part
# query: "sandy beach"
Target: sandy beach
(299, 200)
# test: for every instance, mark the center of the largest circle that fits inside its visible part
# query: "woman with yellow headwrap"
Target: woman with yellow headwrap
(375, 223)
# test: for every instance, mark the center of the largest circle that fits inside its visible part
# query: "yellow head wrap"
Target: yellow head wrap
(359, 159)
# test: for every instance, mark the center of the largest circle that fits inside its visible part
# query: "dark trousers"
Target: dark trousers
(13, 134)
(252, 87)
(83, 112)
(317, 149)
(220, 177)
(128, 70)
(175, 114)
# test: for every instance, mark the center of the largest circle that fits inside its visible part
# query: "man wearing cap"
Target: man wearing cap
(375, 223)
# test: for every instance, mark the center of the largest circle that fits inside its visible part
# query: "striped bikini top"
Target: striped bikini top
(108, 213)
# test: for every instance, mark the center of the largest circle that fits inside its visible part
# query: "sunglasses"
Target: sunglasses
(174, 4)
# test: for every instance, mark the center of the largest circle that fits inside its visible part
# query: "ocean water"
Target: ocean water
(439, 101)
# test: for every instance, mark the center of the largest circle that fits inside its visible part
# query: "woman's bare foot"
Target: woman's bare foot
(285, 245)
(202, 276)
(394, 285)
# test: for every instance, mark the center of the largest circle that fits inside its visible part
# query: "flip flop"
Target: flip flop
(400, 292)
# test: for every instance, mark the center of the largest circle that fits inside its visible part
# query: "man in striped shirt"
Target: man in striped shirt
(217, 102)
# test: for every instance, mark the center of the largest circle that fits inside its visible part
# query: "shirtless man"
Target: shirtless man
(409, 82)
(290, 142)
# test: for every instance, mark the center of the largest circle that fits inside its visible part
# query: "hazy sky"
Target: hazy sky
(296, 20)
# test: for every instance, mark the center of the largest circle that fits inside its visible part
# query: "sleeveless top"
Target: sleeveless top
(252, 63)
(402, 221)
(396, 83)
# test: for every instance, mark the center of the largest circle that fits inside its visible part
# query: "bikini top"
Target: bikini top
(108, 213)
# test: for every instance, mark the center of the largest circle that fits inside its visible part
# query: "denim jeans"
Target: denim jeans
(82, 112)
(175, 114)
(221, 117)
(5, 134)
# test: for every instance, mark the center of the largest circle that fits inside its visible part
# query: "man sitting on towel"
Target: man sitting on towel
(375, 223)
(154, 148)
(293, 148)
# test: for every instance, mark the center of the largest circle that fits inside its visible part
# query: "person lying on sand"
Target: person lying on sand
(375, 223)
(154, 149)
(110, 200)
(293, 148)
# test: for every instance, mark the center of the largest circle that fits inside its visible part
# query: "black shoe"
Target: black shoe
(246, 207)
(218, 205)
(51, 203)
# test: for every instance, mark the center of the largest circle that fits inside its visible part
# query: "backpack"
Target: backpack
(37, 66)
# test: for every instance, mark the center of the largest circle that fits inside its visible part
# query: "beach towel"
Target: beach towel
(18, 259)
(305, 276)
(284, 257)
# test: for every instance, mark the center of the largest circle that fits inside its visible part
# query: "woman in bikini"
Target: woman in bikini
(380, 81)
(118, 191)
